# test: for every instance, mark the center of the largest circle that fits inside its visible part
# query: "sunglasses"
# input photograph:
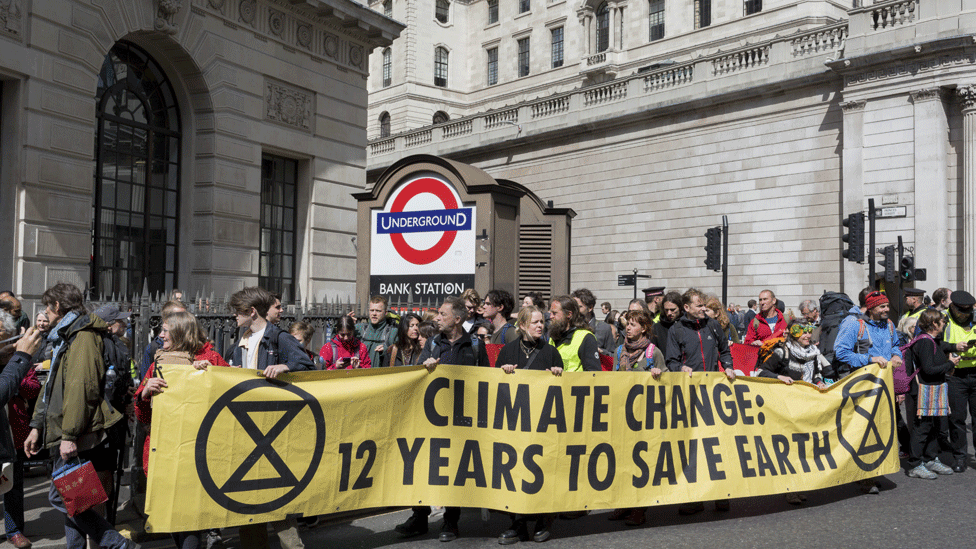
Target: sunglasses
(797, 330)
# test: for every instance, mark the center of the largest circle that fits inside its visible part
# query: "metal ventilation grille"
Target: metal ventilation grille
(535, 259)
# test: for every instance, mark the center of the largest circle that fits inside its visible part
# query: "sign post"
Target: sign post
(631, 280)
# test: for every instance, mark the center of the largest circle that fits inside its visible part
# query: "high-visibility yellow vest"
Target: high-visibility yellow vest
(955, 333)
(570, 351)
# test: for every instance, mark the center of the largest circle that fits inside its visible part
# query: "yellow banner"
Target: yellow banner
(230, 447)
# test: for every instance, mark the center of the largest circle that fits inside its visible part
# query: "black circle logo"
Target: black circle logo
(864, 398)
(285, 411)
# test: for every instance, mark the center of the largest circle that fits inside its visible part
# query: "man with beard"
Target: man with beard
(452, 345)
(570, 334)
(696, 344)
(960, 337)
(605, 339)
(670, 313)
(868, 340)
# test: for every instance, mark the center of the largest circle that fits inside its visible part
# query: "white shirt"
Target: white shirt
(251, 344)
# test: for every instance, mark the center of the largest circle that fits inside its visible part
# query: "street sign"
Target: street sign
(626, 280)
(896, 211)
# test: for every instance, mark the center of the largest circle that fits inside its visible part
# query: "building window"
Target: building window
(440, 67)
(388, 8)
(442, 10)
(523, 57)
(524, 6)
(137, 176)
(557, 47)
(703, 13)
(387, 67)
(602, 28)
(492, 11)
(492, 66)
(279, 204)
(384, 125)
(656, 20)
(753, 6)
(440, 117)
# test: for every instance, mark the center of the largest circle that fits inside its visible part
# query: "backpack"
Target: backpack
(648, 357)
(768, 347)
(834, 308)
(505, 329)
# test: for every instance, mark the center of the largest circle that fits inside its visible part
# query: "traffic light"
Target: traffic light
(854, 237)
(908, 268)
(713, 249)
(891, 271)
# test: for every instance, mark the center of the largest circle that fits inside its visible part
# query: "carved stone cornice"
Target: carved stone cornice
(853, 106)
(967, 97)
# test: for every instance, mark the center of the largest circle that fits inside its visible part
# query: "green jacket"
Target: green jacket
(72, 403)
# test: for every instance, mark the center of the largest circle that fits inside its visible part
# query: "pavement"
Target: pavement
(907, 513)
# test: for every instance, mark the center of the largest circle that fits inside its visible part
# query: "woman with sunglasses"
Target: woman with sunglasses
(796, 359)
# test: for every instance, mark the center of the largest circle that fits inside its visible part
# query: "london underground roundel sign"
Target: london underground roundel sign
(424, 229)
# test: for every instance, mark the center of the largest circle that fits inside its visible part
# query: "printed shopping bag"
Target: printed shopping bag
(79, 487)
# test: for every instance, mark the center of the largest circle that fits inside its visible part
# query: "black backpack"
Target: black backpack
(834, 308)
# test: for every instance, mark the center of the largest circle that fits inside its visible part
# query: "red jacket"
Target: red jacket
(758, 328)
(345, 349)
(144, 406)
(20, 407)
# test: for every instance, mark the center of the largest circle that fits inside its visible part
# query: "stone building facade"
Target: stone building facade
(786, 116)
(202, 144)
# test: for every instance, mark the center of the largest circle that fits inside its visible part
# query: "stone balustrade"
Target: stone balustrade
(638, 90)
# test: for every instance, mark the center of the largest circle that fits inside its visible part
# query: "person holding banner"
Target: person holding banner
(670, 313)
(868, 340)
(637, 354)
(406, 350)
(696, 344)
(797, 358)
(183, 343)
(451, 346)
(529, 351)
(927, 400)
(570, 334)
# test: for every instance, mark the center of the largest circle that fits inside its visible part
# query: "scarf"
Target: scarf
(802, 359)
(58, 345)
(632, 352)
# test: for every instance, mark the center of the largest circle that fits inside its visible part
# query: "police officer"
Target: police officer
(913, 303)
(654, 297)
(960, 338)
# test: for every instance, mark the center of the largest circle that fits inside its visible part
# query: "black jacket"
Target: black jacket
(277, 347)
(932, 364)
(10, 379)
(660, 332)
(546, 356)
(698, 344)
(462, 352)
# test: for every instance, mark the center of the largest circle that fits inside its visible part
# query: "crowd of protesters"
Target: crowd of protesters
(76, 414)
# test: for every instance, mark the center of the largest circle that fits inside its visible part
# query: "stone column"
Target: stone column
(852, 189)
(931, 186)
(611, 43)
(967, 97)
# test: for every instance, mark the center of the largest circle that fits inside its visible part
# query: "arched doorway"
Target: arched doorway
(137, 176)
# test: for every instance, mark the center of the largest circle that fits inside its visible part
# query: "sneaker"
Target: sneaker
(214, 541)
(541, 532)
(19, 541)
(922, 472)
(414, 526)
(938, 467)
(637, 517)
(691, 508)
(793, 498)
(868, 486)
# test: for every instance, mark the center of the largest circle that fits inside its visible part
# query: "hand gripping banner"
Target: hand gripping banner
(229, 447)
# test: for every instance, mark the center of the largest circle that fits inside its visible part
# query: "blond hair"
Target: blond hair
(525, 318)
(185, 333)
